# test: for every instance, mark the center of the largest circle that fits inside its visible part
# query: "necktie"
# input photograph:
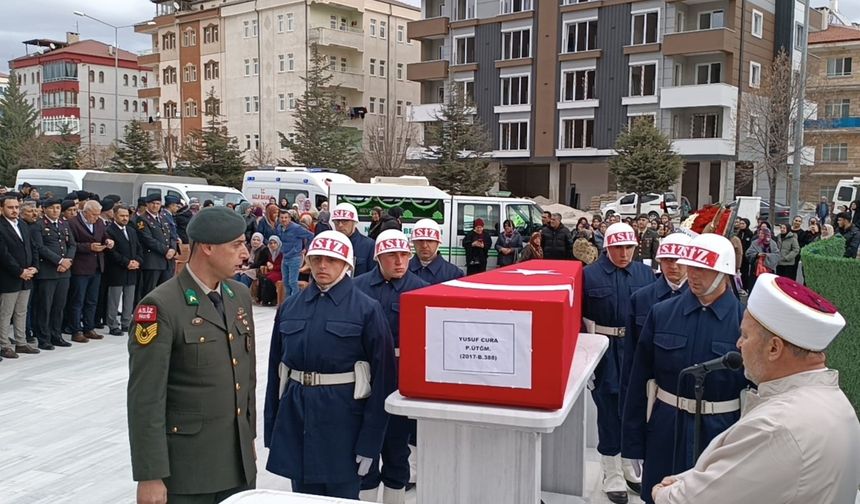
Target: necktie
(124, 232)
(57, 227)
(217, 301)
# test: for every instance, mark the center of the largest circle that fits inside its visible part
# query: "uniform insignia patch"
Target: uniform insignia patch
(227, 290)
(144, 334)
(146, 314)
(191, 297)
(196, 321)
(141, 225)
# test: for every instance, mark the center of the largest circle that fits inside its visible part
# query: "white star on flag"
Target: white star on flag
(526, 272)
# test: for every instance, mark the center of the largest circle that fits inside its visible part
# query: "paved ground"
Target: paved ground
(64, 436)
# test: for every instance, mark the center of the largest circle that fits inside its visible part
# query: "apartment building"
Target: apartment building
(257, 52)
(4, 83)
(76, 83)
(835, 135)
(556, 81)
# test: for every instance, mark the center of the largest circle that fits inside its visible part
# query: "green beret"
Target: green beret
(216, 225)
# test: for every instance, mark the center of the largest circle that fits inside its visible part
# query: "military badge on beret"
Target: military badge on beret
(146, 324)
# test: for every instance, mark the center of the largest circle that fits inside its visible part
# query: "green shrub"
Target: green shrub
(838, 279)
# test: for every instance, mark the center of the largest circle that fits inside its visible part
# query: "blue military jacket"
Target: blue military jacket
(678, 333)
(362, 251)
(314, 433)
(640, 304)
(388, 294)
(439, 270)
(607, 302)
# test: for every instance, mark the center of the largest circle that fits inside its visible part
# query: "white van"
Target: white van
(454, 213)
(847, 190)
(306, 186)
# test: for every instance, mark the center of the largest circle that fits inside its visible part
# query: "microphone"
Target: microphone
(731, 360)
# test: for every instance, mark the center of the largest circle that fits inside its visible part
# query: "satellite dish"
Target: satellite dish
(52, 46)
(176, 5)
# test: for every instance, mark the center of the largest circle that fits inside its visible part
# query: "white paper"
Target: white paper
(479, 347)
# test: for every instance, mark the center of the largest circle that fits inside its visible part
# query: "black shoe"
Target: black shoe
(634, 487)
(69, 331)
(45, 346)
(410, 486)
(115, 332)
(61, 343)
(617, 497)
(124, 328)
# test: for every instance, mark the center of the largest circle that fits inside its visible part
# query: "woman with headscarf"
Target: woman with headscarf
(827, 232)
(789, 249)
(323, 222)
(763, 254)
(248, 273)
(533, 249)
(271, 273)
(477, 243)
(268, 225)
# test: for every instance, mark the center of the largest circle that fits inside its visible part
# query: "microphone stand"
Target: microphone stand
(699, 390)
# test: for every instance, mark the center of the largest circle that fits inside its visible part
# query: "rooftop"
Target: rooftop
(83, 48)
(835, 33)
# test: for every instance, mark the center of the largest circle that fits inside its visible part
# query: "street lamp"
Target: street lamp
(115, 66)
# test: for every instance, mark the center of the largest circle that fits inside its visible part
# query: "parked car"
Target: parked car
(783, 212)
(653, 205)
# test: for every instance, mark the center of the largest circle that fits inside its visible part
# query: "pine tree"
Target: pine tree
(212, 153)
(135, 153)
(645, 162)
(65, 154)
(17, 129)
(320, 139)
(458, 142)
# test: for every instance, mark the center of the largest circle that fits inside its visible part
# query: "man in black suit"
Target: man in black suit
(158, 247)
(121, 268)
(87, 268)
(17, 269)
(56, 251)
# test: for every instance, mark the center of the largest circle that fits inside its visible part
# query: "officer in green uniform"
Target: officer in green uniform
(191, 404)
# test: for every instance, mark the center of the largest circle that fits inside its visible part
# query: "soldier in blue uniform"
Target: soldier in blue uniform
(673, 282)
(331, 366)
(385, 284)
(697, 326)
(608, 283)
(427, 263)
(56, 246)
(159, 248)
(344, 217)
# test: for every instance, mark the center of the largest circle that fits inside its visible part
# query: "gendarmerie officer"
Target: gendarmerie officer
(191, 403)
(427, 263)
(158, 246)
(344, 218)
(608, 283)
(386, 283)
(701, 324)
(57, 247)
(331, 366)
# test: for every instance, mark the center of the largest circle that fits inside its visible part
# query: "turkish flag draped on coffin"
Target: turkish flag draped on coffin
(505, 337)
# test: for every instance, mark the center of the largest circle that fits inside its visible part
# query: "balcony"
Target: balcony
(704, 146)
(348, 39)
(351, 78)
(433, 28)
(701, 95)
(427, 112)
(151, 126)
(835, 123)
(427, 71)
(715, 40)
(148, 58)
(153, 92)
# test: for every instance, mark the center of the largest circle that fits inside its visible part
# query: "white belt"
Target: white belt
(590, 325)
(317, 379)
(689, 405)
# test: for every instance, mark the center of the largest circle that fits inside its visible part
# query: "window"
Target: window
(210, 34)
(249, 28)
(190, 108)
(190, 73)
(515, 90)
(213, 107)
(382, 106)
(247, 142)
(168, 41)
(834, 152)
(371, 108)
(837, 108)
(125, 105)
(577, 85)
(256, 100)
(144, 107)
(467, 88)
(170, 109)
(755, 74)
(189, 38)
(514, 136)
(332, 63)
(102, 129)
(577, 133)
(101, 78)
(708, 73)
(399, 108)
(291, 101)
(464, 50)
(838, 67)
(281, 23)
(705, 126)
(169, 75)
(516, 44)
(757, 27)
(382, 29)
(400, 71)
(290, 22)
(464, 9)
(282, 63)
(581, 36)
(211, 70)
(282, 102)
(92, 102)
(291, 62)
(247, 104)
(134, 81)
(643, 79)
(92, 75)
(134, 106)
(92, 129)
(256, 62)
(382, 68)
(798, 36)
(343, 65)
(468, 212)
(372, 66)
(711, 19)
(125, 80)
(401, 34)
(372, 27)
(510, 6)
(632, 119)
(101, 103)
(645, 28)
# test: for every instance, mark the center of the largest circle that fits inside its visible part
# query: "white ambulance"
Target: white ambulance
(454, 213)
(306, 186)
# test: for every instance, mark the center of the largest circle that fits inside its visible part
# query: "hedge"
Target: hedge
(838, 279)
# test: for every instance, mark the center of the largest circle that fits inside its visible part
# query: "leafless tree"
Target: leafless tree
(386, 142)
(261, 157)
(95, 157)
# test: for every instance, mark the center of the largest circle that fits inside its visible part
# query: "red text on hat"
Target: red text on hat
(329, 245)
(624, 236)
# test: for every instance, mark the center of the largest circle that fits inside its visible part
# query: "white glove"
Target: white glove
(363, 464)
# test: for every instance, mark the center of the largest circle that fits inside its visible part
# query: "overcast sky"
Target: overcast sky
(51, 19)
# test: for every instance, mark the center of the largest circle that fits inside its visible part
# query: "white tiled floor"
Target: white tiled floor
(64, 438)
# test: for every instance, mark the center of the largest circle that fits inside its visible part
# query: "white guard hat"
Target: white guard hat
(793, 312)
(710, 251)
(332, 244)
(619, 234)
(673, 246)
(344, 211)
(427, 230)
(391, 240)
